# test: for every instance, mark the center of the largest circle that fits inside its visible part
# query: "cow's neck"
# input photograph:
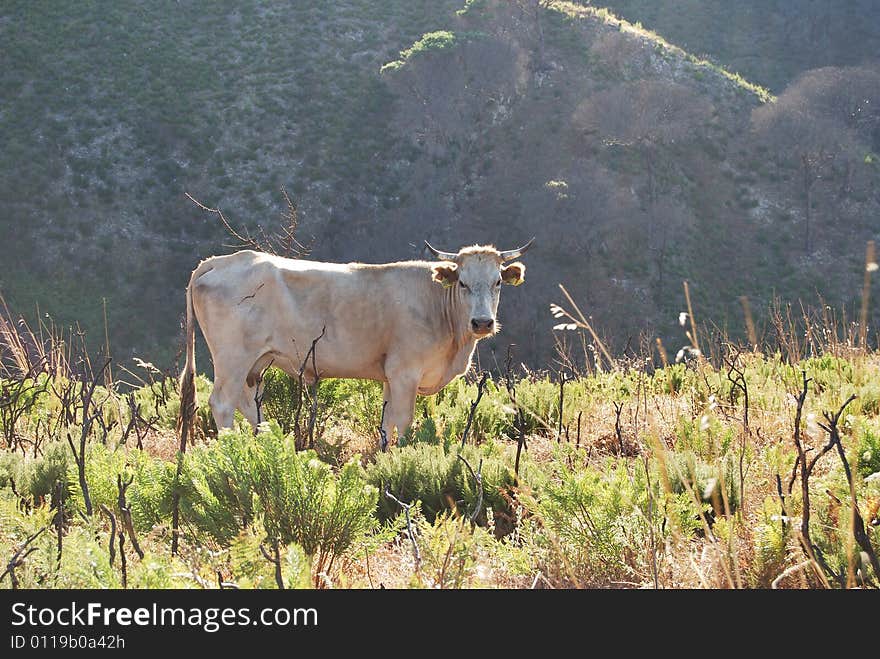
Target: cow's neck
(463, 341)
(458, 342)
(454, 319)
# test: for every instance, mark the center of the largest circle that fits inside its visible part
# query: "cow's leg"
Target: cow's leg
(222, 405)
(248, 405)
(402, 388)
(248, 402)
(228, 393)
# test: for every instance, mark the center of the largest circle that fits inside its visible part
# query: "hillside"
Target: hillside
(634, 163)
(768, 41)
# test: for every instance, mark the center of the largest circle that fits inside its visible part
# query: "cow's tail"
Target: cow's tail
(187, 414)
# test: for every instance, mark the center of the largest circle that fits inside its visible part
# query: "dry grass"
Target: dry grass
(655, 416)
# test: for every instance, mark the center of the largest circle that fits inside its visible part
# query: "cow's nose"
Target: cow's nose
(482, 324)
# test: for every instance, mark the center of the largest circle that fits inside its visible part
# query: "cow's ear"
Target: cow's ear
(515, 273)
(445, 273)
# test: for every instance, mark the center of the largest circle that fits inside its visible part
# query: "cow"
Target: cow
(412, 325)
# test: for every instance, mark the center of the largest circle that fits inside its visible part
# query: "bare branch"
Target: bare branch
(618, 408)
(123, 560)
(480, 386)
(858, 526)
(478, 480)
(281, 243)
(519, 419)
(561, 405)
(225, 585)
(58, 520)
(122, 486)
(244, 240)
(18, 558)
(383, 436)
(112, 547)
(409, 527)
(275, 559)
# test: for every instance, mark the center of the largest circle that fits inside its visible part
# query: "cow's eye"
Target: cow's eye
(498, 283)
(463, 285)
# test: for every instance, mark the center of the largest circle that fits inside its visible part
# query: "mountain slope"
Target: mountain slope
(768, 41)
(634, 163)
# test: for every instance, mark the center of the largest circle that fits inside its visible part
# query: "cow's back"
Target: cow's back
(257, 308)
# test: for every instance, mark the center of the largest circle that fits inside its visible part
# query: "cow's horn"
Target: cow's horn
(511, 254)
(445, 256)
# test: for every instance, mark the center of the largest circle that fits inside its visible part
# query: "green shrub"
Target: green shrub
(449, 550)
(770, 540)
(356, 403)
(11, 467)
(687, 473)
(280, 395)
(299, 499)
(414, 472)
(149, 495)
(593, 514)
(493, 418)
(868, 453)
(431, 42)
(161, 400)
(42, 473)
(435, 476)
(252, 570)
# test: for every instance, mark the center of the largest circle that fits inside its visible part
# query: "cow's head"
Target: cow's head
(476, 273)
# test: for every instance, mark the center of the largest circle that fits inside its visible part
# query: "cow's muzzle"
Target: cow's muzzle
(482, 325)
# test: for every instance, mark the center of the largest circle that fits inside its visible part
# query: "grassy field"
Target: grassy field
(739, 469)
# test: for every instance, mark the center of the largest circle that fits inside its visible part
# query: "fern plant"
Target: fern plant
(298, 498)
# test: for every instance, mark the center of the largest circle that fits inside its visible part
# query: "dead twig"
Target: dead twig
(112, 547)
(783, 517)
(18, 395)
(313, 413)
(618, 408)
(417, 556)
(581, 321)
(480, 387)
(281, 243)
(299, 439)
(811, 550)
(123, 560)
(18, 558)
(519, 418)
(478, 481)
(858, 523)
(259, 394)
(275, 559)
(737, 378)
(125, 511)
(561, 405)
(383, 436)
(245, 241)
(79, 457)
(225, 585)
(788, 572)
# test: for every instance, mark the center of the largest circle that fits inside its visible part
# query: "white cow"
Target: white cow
(412, 325)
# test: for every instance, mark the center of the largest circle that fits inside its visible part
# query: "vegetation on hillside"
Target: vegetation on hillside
(770, 42)
(408, 120)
